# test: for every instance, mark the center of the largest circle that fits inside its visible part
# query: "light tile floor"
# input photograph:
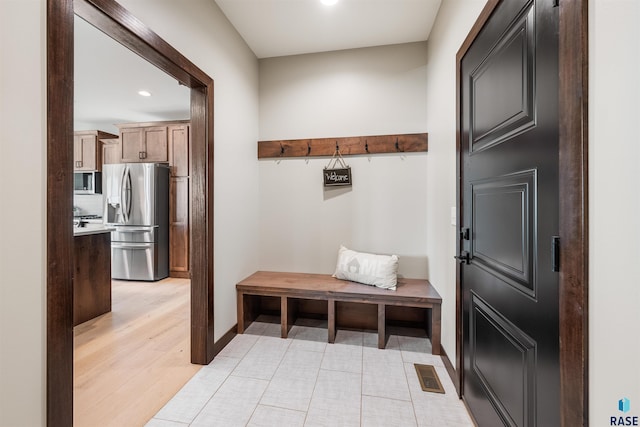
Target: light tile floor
(262, 380)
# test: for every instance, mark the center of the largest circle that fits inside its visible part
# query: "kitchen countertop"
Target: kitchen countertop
(92, 229)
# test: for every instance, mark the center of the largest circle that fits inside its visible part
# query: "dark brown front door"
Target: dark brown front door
(509, 190)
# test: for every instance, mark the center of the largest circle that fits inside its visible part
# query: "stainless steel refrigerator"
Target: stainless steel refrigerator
(136, 203)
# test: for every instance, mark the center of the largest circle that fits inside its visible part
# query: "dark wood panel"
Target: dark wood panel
(201, 225)
(219, 345)
(92, 276)
(351, 315)
(179, 225)
(59, 266)
(574, 213)
(179, 149)
(316, 147)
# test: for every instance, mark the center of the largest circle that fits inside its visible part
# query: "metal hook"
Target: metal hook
(337, 147)
(366, 146)
(281, 149)
(308, 148)
(397, 146)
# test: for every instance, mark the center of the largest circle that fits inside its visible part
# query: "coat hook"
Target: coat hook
(337, 147)
(366, 146)
(281, 149)
(308, 148)
(397, 146)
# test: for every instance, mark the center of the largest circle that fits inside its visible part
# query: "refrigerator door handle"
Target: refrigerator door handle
(139, 246)
(130, 229)
(126, 194)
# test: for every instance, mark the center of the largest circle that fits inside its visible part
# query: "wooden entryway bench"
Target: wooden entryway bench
(290, 287)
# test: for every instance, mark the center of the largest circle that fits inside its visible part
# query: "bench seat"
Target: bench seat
(287, 286)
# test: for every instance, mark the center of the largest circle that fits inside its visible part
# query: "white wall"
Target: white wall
(455, 19)
(614, 206)
(22, 212)
(201, 32)
(371, 91)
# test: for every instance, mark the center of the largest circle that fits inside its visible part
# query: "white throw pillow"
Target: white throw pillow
(370, 269)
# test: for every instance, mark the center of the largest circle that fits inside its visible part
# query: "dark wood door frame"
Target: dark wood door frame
(115, 21)
(573, 287)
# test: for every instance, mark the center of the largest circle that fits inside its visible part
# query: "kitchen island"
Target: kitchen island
(92, 272)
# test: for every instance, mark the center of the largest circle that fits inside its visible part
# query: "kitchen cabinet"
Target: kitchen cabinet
(110, 151)
(179, 200)
(179, 149)
(179, 227)
(147, 144)
(92, 275)
(165, 142)
(87, 150)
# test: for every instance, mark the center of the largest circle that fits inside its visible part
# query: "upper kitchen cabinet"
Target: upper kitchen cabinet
(110, 151)
(139, 143)
(87, 150)
(179, 149)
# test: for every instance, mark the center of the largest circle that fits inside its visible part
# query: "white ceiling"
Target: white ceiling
(107, 76)
(290, 27)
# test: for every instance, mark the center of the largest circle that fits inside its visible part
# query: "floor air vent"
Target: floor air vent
(428, 377)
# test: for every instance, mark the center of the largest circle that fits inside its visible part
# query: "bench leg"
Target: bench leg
(331, 320)
(435, 329)
(287, 316)
(382, 332)
(240, 311)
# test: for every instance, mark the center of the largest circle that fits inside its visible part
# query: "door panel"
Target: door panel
(504, 221)
(504, 360)
(509, 69)
(509, 189)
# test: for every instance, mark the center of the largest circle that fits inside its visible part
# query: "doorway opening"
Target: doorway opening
(115, 21)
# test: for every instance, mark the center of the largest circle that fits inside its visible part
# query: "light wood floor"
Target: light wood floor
(130, 362)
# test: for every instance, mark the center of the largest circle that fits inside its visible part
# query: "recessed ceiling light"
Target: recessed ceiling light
(329, 2)
(144, 93)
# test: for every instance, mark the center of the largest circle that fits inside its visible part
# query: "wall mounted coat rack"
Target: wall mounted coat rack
(348, 146)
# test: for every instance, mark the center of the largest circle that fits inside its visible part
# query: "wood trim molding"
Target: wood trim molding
(115, 21)
(59, 287)
(574, 218)
(225, 340)
(364, 145)
(451, 370)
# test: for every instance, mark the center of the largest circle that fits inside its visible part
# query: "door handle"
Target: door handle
(464, 258)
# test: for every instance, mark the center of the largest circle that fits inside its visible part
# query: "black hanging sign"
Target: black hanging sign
(337, 176)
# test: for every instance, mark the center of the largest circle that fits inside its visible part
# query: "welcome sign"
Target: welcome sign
(337, 177)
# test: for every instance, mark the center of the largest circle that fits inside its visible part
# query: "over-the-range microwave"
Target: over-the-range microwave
(87, 182)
